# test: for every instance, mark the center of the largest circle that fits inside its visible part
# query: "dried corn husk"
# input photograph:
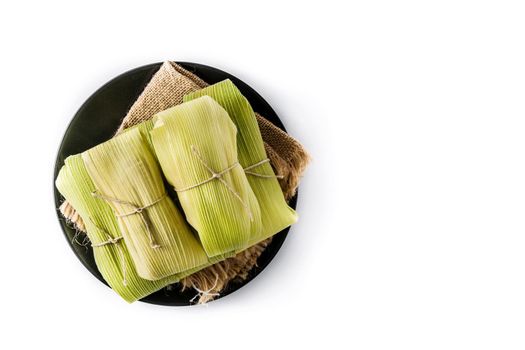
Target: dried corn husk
(275, 213)
(195, 143)
(127, 176)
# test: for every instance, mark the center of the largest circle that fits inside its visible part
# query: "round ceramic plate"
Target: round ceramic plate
(98, 119)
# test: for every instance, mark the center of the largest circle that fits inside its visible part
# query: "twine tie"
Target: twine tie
(120, 249)
(136, 210)
(217, 175)
(248, 171)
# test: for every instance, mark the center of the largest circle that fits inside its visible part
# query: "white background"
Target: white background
(411, 232)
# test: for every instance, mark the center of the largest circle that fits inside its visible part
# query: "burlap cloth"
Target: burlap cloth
(287, 156)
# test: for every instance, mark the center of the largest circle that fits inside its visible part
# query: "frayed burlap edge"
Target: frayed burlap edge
(218, 276)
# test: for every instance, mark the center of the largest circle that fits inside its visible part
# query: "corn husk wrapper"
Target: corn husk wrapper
(275, 213)
(193, 141)
(113, 259)
(125, 172)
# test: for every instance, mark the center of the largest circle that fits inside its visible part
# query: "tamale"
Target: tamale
(275, 213)
(127, 176)
(195, 143)
(111, 254)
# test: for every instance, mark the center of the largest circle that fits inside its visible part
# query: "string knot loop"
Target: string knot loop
(136, 209)
(217, 175)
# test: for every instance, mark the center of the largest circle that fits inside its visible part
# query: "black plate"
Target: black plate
(96, 122)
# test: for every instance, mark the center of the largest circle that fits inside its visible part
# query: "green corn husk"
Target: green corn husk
(113, 260)
(275, 213)
(124, 169)
(190, 140)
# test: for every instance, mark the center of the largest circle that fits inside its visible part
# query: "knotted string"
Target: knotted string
(247, 170)
(217, 176)
(205, 293)
(120, 249)
(136, 210)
